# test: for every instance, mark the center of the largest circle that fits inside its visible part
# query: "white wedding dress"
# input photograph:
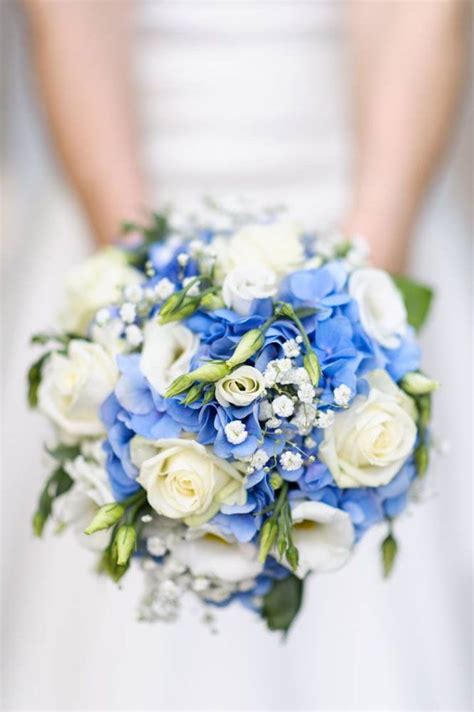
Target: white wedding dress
(234, 97)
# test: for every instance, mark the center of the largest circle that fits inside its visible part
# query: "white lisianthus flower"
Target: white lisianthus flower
(90, 490)
(167, 353)
(109, 335)
(244, 284)
(74, 386)
(274, 246)
(382, 311)
(368, 443)
(323, 535)
(93, 284)
(209, 554)
(241, 387)
(185, 480)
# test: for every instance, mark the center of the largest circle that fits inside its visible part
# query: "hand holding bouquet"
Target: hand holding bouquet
(235, 403)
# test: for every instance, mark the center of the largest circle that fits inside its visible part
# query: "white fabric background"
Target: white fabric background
(233, 97)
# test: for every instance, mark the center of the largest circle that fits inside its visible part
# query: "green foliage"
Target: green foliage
(417, 297)
(155, 231)
(282, 603)
(277, 530)
(55, 486)
(62, 452)
(389, 551)
(34, 379)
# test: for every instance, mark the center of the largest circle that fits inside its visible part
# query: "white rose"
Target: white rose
(185, 480)
(323, 535)
(74, 386)
(382, 311)
(95, 283)
(244, 284)
(275, 246)
(90, 490)
(369, 442)
(167, 353)
(241, 387)
(211, 555)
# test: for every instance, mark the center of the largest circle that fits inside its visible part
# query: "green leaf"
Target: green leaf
(282, 603)
(56, 485)
(389, 552)
(64, 452)
(417, 298)
(34, 380)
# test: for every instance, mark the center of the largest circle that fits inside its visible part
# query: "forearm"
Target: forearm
(408, 60)
(81, 56)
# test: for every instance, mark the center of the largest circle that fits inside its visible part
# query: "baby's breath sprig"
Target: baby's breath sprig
(310, 359)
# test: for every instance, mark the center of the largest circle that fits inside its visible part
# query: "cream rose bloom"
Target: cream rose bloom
(209, 554)
(323, 535)
(185, 480)
(167, 353)
(382, 311)
(274, 246)
(73, 387)
(241, 387)
(244, 284)
(369, 442)
(95, 283)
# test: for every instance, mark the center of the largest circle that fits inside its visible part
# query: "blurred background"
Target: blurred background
(255, 98)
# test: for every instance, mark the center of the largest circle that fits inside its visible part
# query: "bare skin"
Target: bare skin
(408, 60)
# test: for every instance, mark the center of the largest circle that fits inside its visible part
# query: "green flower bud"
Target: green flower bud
(311, 364)
(417, 384)
(211, 302)
(276, 480)
(171, 304)
(209, 395)
(286, 310)
(424, 410)
(179, 385)
(210, 372)
(292, 556)
(187, 307)
(125, 542)
(193, 394)
(267, 538)
(389, 553)
(38, 523)
(248, 345)
(106, 517)
(422, 458)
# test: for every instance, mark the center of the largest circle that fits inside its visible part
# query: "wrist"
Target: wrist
(387, 237)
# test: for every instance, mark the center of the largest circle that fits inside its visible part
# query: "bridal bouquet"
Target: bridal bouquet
(235, 402)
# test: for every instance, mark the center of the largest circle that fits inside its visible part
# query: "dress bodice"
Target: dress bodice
(245, 97)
